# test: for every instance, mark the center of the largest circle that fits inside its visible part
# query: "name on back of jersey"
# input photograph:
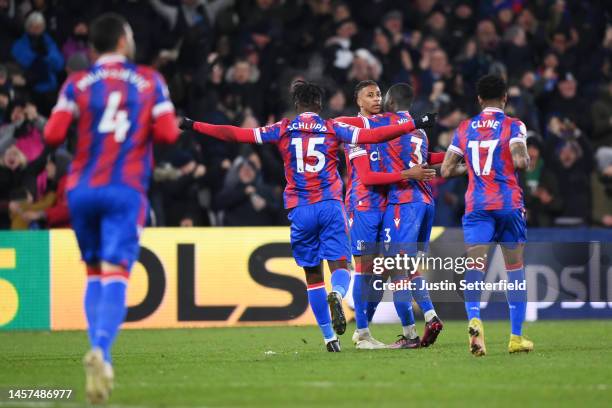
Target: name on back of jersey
(317, 127)
(122, 74)
(488, 123)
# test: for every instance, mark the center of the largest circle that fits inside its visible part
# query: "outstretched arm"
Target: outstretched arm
(385, 133)
(350, 120)
(222, 132)
(451, 166)
(373, 178)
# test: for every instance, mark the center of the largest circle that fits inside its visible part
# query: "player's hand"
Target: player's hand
(426, 121)
(186, 124)
(419, 173)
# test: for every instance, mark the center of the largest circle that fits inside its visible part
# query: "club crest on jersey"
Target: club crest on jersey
(397, 222)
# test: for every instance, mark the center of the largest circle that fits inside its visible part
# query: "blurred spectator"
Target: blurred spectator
(51, 211)
(25, 128)
(542, 199)
(178, 182)
(601, 112)
(571, 160)
(37, 53)
(338, 50)
(602, 188)
(11, 27)
(517, 54)
(76, 43)
(567, 103)
(248, 200)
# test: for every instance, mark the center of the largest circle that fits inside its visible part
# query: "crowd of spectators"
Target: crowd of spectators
(231, 62)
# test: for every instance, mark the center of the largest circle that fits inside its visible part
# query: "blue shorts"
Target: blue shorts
(107, 222)
(318, 232)
(366, 231)
(486, 226)
(407, 228)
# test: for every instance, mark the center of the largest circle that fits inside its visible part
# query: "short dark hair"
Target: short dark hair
(307, 94)
(401, 94)
(106, 31)
(491, 87)
(363, 84)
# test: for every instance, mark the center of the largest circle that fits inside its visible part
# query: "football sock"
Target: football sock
(410, 331)
(402, 300)
(517, 300)
(91, 303)
(360, 287)
(374, 296)
(421, 295)
(111, 313)
(472, 296)
(317, 297)
(340, 280)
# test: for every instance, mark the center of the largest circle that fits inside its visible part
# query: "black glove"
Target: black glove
(426, 121)
(186, 124)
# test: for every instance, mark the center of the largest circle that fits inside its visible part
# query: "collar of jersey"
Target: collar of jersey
(110, 59)
(490, 109)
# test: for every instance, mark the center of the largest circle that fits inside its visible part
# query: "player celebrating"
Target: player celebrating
(309, 147)
(121, 108)
(366, 200)
(494, 148)
(409, 215)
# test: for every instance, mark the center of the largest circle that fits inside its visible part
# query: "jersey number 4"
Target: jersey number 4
(114, 120)
(311, 152)
(475, 146)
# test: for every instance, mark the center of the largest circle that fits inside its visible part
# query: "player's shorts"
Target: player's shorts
(107, 222)
(504, 226)
(319, 231)
(407, 228)
(366, 231)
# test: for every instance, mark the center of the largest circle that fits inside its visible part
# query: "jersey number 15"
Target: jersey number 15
(311, 152)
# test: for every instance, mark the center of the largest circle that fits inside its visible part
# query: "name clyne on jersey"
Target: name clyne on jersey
(489, 123)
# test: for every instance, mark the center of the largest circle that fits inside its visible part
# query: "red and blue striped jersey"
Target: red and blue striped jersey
(309, 147)
(402, 153)
(358, 195)
(484, 141)
(116, 103)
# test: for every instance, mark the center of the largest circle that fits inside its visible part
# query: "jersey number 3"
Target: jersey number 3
(114, 120)
(312, 152)
(475, 146)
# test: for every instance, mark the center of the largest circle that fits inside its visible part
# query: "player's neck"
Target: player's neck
(492, 105)
(109, 57)
(366, 113)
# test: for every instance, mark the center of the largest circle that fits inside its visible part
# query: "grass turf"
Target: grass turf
(287, 366)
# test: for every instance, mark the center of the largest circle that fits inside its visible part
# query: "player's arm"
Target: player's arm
(350, 120)
(65, 110)
(452, 166)
(434, 158)
(164, 128)
(518, 147)
(226, 133)
(386, 133)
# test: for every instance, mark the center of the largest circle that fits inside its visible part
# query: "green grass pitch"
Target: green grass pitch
(571, 366)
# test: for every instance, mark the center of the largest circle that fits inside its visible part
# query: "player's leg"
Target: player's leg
(402, 300)
(334, 239)
(305, 246)
(433, 324)
(86, 225)
(395, 225)
(512, 240)
(479, 232)
(85, 220)
(317, 298)
(364, 230)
